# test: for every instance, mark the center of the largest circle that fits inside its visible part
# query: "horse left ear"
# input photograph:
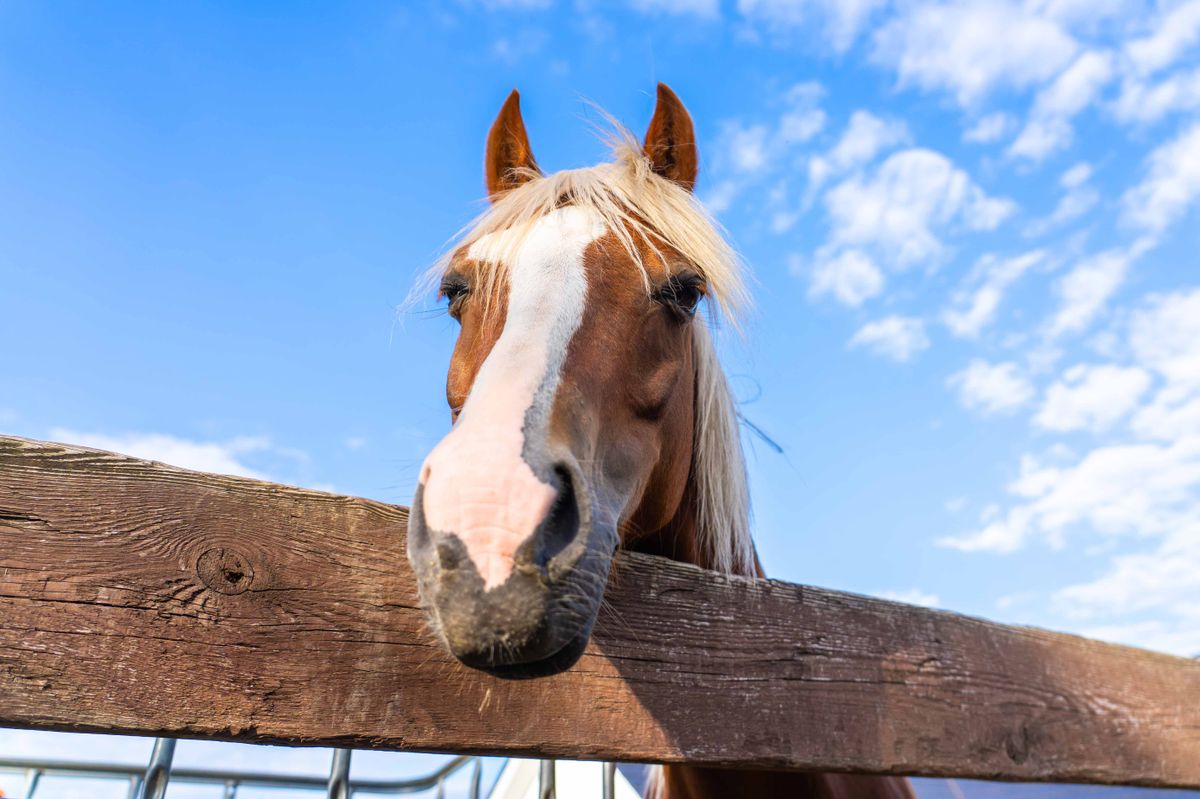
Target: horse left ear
(671, 140)
(508, 161)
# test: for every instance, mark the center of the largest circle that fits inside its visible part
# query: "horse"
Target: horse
(589, 412)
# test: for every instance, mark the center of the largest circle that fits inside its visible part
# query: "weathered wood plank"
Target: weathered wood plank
(144, 599)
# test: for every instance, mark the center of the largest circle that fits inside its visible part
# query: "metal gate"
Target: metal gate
(151, 782)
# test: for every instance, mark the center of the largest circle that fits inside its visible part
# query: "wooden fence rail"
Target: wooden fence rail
(144, 599)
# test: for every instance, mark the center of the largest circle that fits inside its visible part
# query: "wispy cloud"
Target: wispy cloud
(1085, 290)
(990, 128)
(1092, 397)
(839, 22)
(1176, 31)
(705, 9)
(913, 596)
(1079, 197)
(1134, 492)
(897, 208)
(1049, 127)
(971, 49)
(850, 276)
(974, 305)
(223, 457)
(1171, 185)
(992, 388)
(896, 337)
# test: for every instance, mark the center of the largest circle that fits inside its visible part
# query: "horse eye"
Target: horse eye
(682, 294)
(454, 289)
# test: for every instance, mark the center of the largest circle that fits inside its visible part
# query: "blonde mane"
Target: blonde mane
(642, 208)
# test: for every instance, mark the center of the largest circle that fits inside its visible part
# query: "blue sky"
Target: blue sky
(973, 229)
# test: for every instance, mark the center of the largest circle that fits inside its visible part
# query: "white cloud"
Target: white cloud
(1077, 86)
(204, 456)
(1165, 336)
(913, 596)
(865, 137)
(1077, 200)
(522, 45)
(1170, 415)
(1049, 127)
(1142, 493)
(1076, 176)
(1168, 576)
(842, 19)
(851, 276)
(747, 146)
(1092, 397)
(1084, 290)
(1074, 203)
(1144, 103)
(1082, 13)
(895, 337)
(1115, 490)
(355, 442)
(897, 206)
(974, 306)
(721, 196)
(805, 119)
(707, 9)
(1171, 186)
(971, 48)
(744, 151)
(1177, 31)
(1160, 635)
(991, 388)
(1162, 582)
(989, 128)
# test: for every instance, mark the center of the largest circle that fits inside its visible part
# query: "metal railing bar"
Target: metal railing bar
(60, 768)
(476, 779)
(608, 780)
(158, 773)
(32, 777)
(339, 775)
(546, 789)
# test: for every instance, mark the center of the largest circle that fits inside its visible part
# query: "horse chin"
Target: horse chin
(556, 663)
(535, 624)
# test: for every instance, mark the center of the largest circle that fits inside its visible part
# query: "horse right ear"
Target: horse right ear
(671, 140)
(509, 160)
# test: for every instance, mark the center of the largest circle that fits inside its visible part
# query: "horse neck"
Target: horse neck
(680, 538)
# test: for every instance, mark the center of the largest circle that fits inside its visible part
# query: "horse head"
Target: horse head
(588, 409)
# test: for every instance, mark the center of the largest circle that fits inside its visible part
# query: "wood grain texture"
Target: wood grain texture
(140, 598)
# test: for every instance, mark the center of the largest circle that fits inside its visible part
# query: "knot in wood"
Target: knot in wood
(224, 571)
(1018, 744)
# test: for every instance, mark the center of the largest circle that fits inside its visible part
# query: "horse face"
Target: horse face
(571, 388)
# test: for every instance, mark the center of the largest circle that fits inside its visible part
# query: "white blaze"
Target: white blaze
(476, 484)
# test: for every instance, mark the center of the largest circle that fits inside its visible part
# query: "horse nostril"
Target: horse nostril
(561, 525)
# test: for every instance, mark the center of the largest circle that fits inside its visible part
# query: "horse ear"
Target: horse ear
(508, 161)
(671, 140)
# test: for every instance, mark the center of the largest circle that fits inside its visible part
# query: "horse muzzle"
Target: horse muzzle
(536, 617)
